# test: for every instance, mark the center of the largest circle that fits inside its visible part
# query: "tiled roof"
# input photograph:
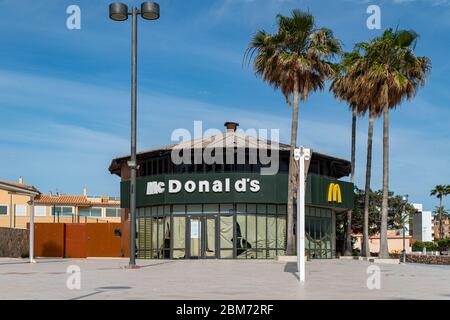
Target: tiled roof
(19, 185)
(227, 139)
(74, 200)
(61, 199)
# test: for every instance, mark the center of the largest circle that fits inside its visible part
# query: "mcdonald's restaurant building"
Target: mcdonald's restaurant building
(228, 210)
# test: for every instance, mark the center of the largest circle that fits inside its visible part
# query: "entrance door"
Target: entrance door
(210, 237)
(195, 234)
(202, 237)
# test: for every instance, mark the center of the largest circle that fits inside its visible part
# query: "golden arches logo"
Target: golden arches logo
(334, 193)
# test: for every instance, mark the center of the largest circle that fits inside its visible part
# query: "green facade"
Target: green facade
(273, 189)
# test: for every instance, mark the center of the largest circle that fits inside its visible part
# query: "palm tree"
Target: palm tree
(394, 74)
(342, 87)
(440, 191)
(352, 87)
(297, 60)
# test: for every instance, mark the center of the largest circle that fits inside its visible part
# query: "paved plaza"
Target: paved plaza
(219, 279)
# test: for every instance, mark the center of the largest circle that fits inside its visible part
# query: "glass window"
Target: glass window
(261, 208)
(84, 212)
(161, 211)
(318, 233)
(96, 212)
(251, 235)
(40, 211)
(261, 235)
(271, 209)
(211, 208)
(67, 211)
(241, 236)
(194, 209)
(167, 210)
(210, 237)
(226, 227)
(113, 212)
(3, 210)
(255, 231)
(179, 209)
(179, 237)
(142, 244)
(20, 210)
(320, 213)
(240, 208)
(281, 209)
(281, 232)
(62, 211)
(271, 231)
(166, 233)
(155, 238)
(251, 208)
(226, 231)
(148, 232)
(226, 208)
(154, 211)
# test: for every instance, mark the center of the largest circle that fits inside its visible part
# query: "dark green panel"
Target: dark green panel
(273, 189)
(317, 192)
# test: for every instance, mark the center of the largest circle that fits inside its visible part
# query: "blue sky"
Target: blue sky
(64, 104)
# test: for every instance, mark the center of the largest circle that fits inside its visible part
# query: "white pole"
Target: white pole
(301, 155)
(32, 230)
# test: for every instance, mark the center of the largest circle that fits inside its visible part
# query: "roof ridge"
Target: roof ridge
(19, 185)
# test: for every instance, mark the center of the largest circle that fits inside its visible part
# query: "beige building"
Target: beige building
(395, 241)
(15, 206)
(15, 200)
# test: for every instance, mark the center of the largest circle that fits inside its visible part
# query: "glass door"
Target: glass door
(210, 236)
(195, 237)
(202, 237)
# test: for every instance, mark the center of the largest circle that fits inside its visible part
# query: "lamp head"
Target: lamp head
(405, 199)
(150, 10)
(118, 11)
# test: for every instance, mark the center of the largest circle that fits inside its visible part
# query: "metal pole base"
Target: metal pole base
(132, 266)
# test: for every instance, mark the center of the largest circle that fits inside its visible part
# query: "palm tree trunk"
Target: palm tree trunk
(441, 227)
(348, 233)
(384, 250)
(365, 251)
(291, 176)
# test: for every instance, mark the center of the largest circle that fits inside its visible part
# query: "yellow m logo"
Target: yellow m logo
(334, 193)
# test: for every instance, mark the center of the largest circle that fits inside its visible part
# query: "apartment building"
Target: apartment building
(16, 198)
(445, 227)
(421, 227)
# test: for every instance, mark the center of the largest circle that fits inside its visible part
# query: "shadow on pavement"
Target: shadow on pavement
(291, 267)
(157, 264)
(28, 262)
(101, 290)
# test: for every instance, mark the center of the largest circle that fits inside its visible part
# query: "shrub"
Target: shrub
(443, 244)
(429, 245)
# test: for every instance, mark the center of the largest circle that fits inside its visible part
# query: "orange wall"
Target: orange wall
(395, 243)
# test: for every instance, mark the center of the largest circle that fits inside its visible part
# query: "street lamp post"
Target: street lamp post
(404, 202)
(120, 12)
(301, 155)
